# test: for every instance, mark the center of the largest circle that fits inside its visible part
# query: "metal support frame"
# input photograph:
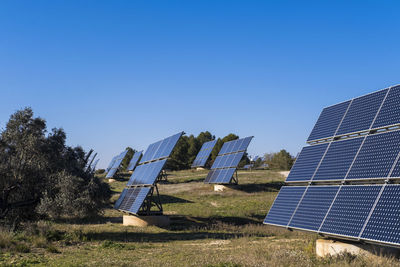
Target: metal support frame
(235, 179)
(163, 176)
(152, 200)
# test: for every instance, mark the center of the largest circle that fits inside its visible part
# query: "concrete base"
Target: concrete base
(219, 187)
(200, 169)
(328, 247)
(111, 180)
(143, 221)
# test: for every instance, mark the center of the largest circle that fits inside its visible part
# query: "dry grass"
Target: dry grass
(208, 229)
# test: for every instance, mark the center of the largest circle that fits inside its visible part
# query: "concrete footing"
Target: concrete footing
(219, 187)
(111, 180)
(328, 247)
(143, 221)
(200, 169)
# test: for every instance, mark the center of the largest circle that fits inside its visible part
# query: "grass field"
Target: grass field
(207, 229)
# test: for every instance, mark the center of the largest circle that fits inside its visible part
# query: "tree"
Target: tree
(128, 157)
(41, 175)
(279, 161)
(179, 159)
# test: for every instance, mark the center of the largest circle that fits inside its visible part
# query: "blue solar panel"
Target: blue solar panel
(111, 163)
(338, 159)
(328, 121)
(350, 210)
(306, 163)
(376, 156)
(284, 205)
(93, 167)
(111, 173)
(362, 112)
(384, 223)
(131, 199)
(146, 174)
(229, 160)
(235, 145)
(204, 154)
(220, 176)
(161, 149)
(134, 160)
(313, 207)
(390, 111)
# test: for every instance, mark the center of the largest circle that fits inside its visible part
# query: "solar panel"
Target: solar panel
(390, 111)
(146, 174)
(227, 160)
(307, 163)
(116, 164)
(93, 167)
(313, 207)
(384, 223)
(376, 157)
(111, 163)
(134, 160)
(328, 121)
(284, 205)
(204, 154)
(350, 210)
(338, 159)
(161, 149)
(131, 199)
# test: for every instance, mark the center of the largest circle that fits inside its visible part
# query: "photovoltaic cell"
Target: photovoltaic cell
(134, 160)
(161, 149)
(376, 157)
(362, 112)
(235, 145)
(338, 159)
(220, 176)
(306, 163)
(350, 210)
(284, 205)
(131, 199)
(390, 111)
(384, 223)
(226, 161)
(328, 121)
(111, 163)
(146, 174)
(313, 207)
(204, 154)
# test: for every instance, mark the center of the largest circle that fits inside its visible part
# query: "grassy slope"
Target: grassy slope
(208, 229)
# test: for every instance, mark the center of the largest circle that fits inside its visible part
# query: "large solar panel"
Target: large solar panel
(328, 122)
(117, 163)
(146, 174)
(313, 207)
(284, 206)
(306, 163)
(227, 160)
(134, 160)
(358, 152)
(204, 154)
(161, 149)
(111, 164)
(131, 199)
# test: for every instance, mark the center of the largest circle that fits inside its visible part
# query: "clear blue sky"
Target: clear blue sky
(127, 73)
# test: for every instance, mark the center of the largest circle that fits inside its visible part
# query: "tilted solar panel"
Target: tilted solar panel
(161, 149)
(111, 163)
(350, 210)
(307, 163)
(390, 111)
(227, 160)
(204, 154)
(134, 160)
(235, 145)
(362, 112)
(93, 167)
(284, 205)
(131, 199)
(313, 207)
(116, 164)
(220, 176)
(328, 122)
(146, 174)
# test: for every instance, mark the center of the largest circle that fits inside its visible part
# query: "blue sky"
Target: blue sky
(128, 73)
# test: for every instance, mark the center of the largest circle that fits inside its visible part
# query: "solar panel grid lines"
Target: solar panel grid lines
(235, 145)
(390, 112)
(146, 174)
(350, 209)
(134, 160)
(284, 205)
(161, 149)
(362, 112)
(131, 199)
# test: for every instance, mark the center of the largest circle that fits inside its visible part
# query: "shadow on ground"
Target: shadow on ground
(165, 199)
(253, 188)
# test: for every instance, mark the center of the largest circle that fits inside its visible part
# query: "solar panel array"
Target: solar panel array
(227, 160)
(351, 171)
(144, 176)
(134, 160)
(116, 164)
(204, 154)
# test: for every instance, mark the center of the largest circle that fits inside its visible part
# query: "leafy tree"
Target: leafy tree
(279, 161)
(128, 157)
(41, 175)
(179, 159)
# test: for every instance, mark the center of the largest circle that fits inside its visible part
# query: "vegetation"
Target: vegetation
(43, 177)
(207, 229)
(279, 161)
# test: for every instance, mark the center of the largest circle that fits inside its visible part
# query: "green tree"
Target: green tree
(35, 169)
(279, 161)
(128, 157)
(179, 159)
